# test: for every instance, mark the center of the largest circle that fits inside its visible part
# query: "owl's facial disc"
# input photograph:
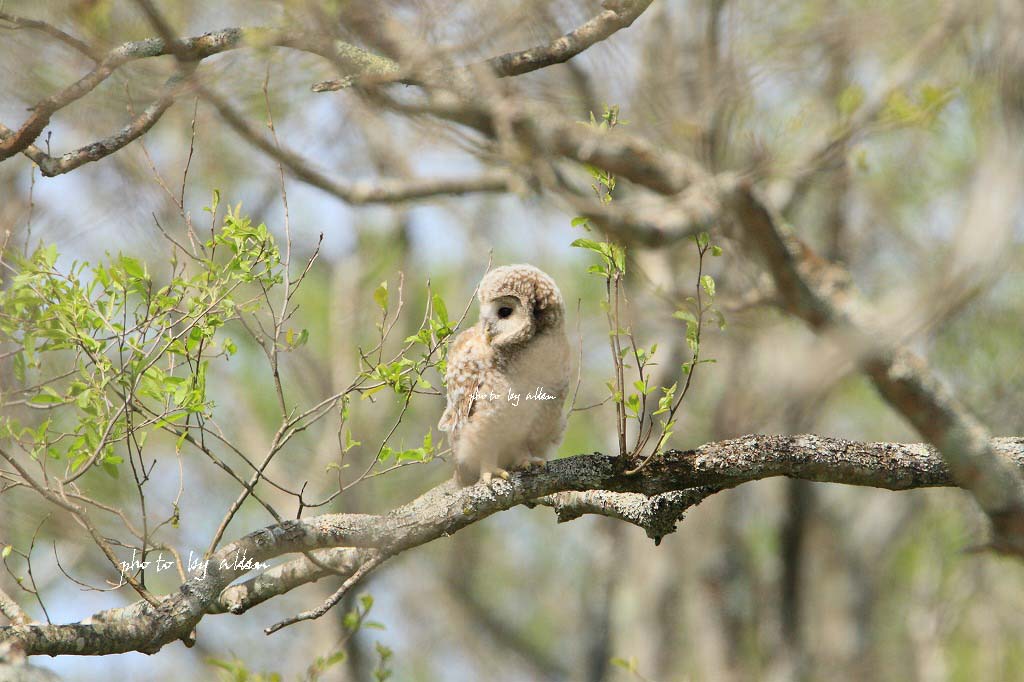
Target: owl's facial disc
(506, 321)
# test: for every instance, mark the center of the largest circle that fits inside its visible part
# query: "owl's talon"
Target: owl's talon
(530, 464)
(487, 477)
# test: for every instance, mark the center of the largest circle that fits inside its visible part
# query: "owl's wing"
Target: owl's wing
(466, 361)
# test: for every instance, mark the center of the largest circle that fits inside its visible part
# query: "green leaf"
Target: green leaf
(900, 109)
(19, 367)
(685, 315)
(850, 100)
(934, 99)
(350, 621)
(380, 295)
(48, 255)
(349, 441)
(633, 404)
(368, 393)
(49, 397)
(133, 267)
(295, 340)
(708, 283)
(6, 552)
(720, 318)
(334, 659)
(440, 308)
(212, 208)
(665, 401)
(716, 251)
(589, 244)
(413, 455)
(619, 257)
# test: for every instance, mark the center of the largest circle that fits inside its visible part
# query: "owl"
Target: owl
(508, 376)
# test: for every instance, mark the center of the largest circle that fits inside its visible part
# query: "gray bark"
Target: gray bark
(654, 499)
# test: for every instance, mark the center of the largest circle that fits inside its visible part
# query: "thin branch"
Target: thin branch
(916, 59)
(375, 560)
(51, 30)
(617, 15)
(193, 49)
(366, 192)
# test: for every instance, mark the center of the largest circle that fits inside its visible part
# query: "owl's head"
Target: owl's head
(517, 302)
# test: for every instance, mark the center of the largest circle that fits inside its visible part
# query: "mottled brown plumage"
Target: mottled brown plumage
(508, 376)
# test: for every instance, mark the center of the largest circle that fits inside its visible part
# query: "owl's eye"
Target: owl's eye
(504, 312)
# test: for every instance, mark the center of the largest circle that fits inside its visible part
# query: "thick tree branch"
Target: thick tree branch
(447, 508)
(627, 156)
(12, 609)
(94, 151)
(818, 292)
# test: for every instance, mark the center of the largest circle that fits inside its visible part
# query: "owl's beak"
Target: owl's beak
(489, 330)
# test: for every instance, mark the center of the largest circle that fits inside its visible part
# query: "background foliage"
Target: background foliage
(778, 579)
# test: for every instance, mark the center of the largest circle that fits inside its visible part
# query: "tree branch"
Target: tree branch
(902, 73)
(94, 151)
(447, 508)
(194, 49)
(239, 598)
(383, 191)
(817, 291)
(617, 15)
(51, 30)
(12, 609)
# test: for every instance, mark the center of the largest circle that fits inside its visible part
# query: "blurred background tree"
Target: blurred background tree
(382, 138)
